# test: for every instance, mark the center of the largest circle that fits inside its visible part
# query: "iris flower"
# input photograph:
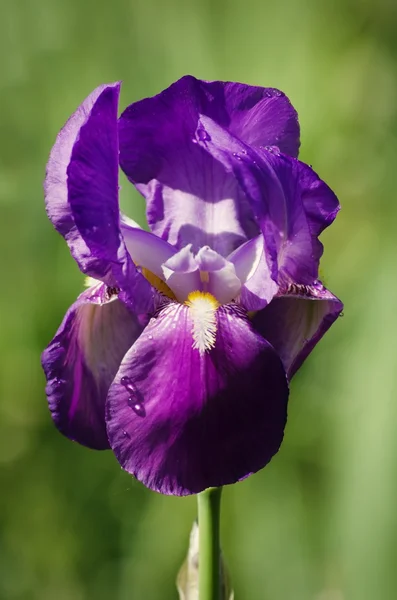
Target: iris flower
(179, 354)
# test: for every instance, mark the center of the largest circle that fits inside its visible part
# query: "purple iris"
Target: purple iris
(179, 353)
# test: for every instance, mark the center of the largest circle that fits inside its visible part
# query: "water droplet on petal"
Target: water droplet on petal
(127, 383)
(136, 406)
(126, 434)
(273, 149)
(203, 135)
(342, 314)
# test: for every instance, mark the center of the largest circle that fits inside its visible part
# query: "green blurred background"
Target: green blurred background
(319, 523)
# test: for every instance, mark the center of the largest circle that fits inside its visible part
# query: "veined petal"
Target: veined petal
(261, 117)
(81, 190)
(159, 155)
(81, 361)
(291, 204)
(181, 420)
(295, 322)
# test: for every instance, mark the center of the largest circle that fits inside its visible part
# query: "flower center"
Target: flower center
(202, 309)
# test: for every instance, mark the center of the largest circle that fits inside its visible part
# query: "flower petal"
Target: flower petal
(146, 249)
(82, 360)
(181, 420)
(253, 271)
(218, 275)
(81, 191)
(291, 204)
(261, 117)
(295, 323)
(158, 154)
(181, 273)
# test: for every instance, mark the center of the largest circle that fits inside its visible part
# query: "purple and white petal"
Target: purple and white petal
(180, 420)
(258, 287)
(218, 275)
(181, 273)
(159, 155)
(81, 361)
(291, 204)
(146, 249)
(295, 322)
(81, 191)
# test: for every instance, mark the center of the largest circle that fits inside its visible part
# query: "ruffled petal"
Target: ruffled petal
(181, 420)
(159, 155)
(295, 322)
(81, 361)
(291, 204)
(81, 192)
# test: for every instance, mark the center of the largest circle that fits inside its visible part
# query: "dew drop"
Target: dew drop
(203, 135)
(273, 149)
(126, 434)
(136, 406)
(127, 383)
(150, 337)
(342, 314)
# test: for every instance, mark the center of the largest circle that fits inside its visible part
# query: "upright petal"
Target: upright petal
(251, 266)
(261, 117)
(218, 275)
(181, 420)
(159, 155)
(290, 202)
(81, 191)
(146, 249)
(81, 361)
(295, 322)
(181, 273)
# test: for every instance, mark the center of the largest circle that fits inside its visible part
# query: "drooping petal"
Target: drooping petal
(81, 191)
(82, 360)
(295, 323)
(190, 198)
(290, 202)
(181, 420)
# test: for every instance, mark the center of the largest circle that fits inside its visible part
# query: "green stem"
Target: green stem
(209, 506)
